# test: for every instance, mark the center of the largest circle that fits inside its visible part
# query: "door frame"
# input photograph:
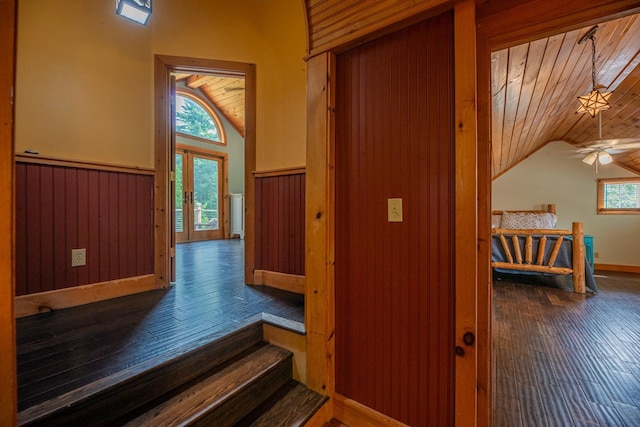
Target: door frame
(164, 65)
(8, 376)
(223, 187)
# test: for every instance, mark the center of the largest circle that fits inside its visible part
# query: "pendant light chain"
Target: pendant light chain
(593, 60)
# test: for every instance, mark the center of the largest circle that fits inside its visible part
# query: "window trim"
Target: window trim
(212, 113)
(614, 211)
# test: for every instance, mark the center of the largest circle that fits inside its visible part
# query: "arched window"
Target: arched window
(195, 119)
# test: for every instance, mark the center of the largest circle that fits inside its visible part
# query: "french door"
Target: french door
(199, 203)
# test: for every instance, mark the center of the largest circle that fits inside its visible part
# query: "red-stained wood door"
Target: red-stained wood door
(394, 280)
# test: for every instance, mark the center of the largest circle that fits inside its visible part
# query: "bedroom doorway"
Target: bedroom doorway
(536, 357)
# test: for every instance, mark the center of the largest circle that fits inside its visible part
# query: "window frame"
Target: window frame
(602, 210)
(212, 113)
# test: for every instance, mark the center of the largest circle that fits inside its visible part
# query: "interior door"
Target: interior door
(199, 195)
(394, 224)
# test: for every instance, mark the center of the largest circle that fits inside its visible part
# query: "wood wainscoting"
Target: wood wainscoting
(63, 205)
(279, 229)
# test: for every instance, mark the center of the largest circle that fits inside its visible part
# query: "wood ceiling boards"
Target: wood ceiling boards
(226, 93)
(535, 89)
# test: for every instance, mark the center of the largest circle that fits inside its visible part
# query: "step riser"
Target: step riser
(103, 407)
(248, 399)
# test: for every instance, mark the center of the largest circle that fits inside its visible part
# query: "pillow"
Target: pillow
(495, 221)
(527, 220)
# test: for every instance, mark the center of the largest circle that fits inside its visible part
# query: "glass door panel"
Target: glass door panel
(205, 194)
(180, 194)
(198, 212)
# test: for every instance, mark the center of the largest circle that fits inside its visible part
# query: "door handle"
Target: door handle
(191, 193)
(185, 199)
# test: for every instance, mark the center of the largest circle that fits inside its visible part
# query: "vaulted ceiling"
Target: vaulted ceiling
(225, 93)
(535, 90)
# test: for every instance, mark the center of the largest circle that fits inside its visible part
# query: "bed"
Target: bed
(527, 242)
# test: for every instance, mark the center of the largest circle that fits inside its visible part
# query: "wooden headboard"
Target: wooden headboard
(550, 208)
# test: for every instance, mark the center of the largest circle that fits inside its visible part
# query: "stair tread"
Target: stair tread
(213, 391)
(293, 409)
(116, 395)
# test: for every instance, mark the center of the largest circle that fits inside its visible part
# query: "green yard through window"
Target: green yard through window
(619, 196)
(195, 119)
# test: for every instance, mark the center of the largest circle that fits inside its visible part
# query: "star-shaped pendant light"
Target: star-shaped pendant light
(595, 101)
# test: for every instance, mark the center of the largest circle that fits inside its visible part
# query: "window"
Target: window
(195, 119)
(619, 196)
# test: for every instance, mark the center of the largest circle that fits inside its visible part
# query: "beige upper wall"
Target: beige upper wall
(555, 175)
(84, 84)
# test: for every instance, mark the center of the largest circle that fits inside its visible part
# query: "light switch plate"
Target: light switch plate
(394, 213)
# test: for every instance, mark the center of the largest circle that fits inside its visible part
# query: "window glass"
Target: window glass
(193, 119)
(620, 195)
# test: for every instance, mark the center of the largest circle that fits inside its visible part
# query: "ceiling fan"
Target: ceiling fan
(602, 149)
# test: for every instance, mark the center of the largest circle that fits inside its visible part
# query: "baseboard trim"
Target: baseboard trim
(619, 268)
(353, 413)
(27, 305)
(283, 281)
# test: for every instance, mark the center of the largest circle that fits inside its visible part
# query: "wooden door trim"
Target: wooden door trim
(466, 214)
(8, 379)
(164, 65)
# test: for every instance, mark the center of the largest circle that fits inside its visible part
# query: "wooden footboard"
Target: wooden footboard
(533, 260)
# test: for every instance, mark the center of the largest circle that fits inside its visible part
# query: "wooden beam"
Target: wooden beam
(466, 214)
(195, 82)
(8, 381)
(319, 227)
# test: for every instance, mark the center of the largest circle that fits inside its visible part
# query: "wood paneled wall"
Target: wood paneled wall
(280, 202)
(60, 208)
(395, 280)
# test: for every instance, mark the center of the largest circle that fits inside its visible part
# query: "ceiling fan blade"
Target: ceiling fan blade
(590, 158)
(587, 149)
(602, 143)
(627, 146)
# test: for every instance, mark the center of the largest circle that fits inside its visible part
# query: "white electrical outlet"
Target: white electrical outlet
(596, 255)
(78, 257)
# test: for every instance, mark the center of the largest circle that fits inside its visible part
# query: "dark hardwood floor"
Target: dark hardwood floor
(564, 359)
(64, 349)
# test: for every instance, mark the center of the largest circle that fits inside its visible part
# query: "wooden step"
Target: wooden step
(227, 396)
(292, 406)
(109, 399)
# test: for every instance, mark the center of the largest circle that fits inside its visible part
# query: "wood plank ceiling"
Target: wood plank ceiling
(225, 93)
(535, 89)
